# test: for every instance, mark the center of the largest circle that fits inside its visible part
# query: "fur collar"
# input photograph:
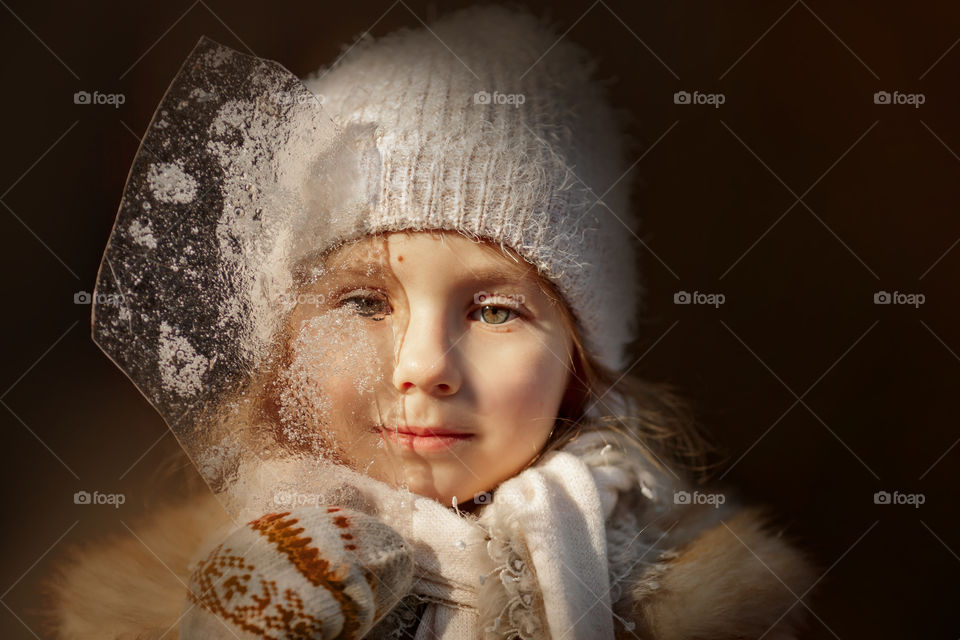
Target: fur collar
(726, 574)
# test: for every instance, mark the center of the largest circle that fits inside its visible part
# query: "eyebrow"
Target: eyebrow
(483, 276)
(492, 273)
(494, 277)
(367, 270)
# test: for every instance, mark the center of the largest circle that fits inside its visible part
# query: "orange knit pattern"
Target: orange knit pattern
(286, 617)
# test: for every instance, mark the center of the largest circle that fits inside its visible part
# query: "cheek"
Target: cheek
(521, 383)
(336, 361)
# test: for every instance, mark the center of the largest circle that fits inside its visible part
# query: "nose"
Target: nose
(427, 358)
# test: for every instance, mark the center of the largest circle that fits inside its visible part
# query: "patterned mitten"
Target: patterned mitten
(312, 572)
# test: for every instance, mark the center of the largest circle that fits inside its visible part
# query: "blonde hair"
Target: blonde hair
(655, 418)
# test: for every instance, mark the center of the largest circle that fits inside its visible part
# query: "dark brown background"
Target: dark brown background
(718, 187)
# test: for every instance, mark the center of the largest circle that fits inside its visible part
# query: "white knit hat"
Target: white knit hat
(490, 124)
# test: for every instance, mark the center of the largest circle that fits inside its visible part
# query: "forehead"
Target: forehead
(407, 250)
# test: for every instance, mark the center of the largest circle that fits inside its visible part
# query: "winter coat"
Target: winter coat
(682, 565)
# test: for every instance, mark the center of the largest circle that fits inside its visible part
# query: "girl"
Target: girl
(395, 352)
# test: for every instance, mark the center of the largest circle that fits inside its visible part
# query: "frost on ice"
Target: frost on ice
(330, 350)
(181, 367)
(169, 182)
(235, 328)
(142, 234)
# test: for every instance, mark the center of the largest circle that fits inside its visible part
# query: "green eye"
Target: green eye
(494, 315)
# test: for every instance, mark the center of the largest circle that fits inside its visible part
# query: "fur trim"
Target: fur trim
(733, 581)
(125, 589)
(720, 585)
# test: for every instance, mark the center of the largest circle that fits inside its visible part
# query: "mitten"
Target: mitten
(312, 572)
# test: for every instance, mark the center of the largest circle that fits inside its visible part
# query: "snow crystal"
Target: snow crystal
(181, 367)
(142, 234)
(216, 57)
(200, 95)
(169, 182)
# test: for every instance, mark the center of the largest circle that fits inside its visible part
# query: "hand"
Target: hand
(311, 572)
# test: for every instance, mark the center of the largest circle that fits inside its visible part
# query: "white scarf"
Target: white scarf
(544, 572)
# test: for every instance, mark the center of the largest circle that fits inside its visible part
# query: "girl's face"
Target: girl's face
(427, 360)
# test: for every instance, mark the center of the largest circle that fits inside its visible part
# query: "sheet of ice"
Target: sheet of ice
(240, 186)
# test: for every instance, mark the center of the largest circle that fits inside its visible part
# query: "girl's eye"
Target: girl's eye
(490, 314)
(368, 306)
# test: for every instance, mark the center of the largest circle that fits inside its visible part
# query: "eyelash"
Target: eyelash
(342, 302)
(516, 313)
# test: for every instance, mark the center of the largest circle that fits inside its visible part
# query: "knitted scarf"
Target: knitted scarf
(543, 559)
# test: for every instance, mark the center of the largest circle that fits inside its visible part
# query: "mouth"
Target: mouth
(424, 439)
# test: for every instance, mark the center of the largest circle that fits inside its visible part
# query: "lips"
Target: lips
(424, 439)
(428, 431)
